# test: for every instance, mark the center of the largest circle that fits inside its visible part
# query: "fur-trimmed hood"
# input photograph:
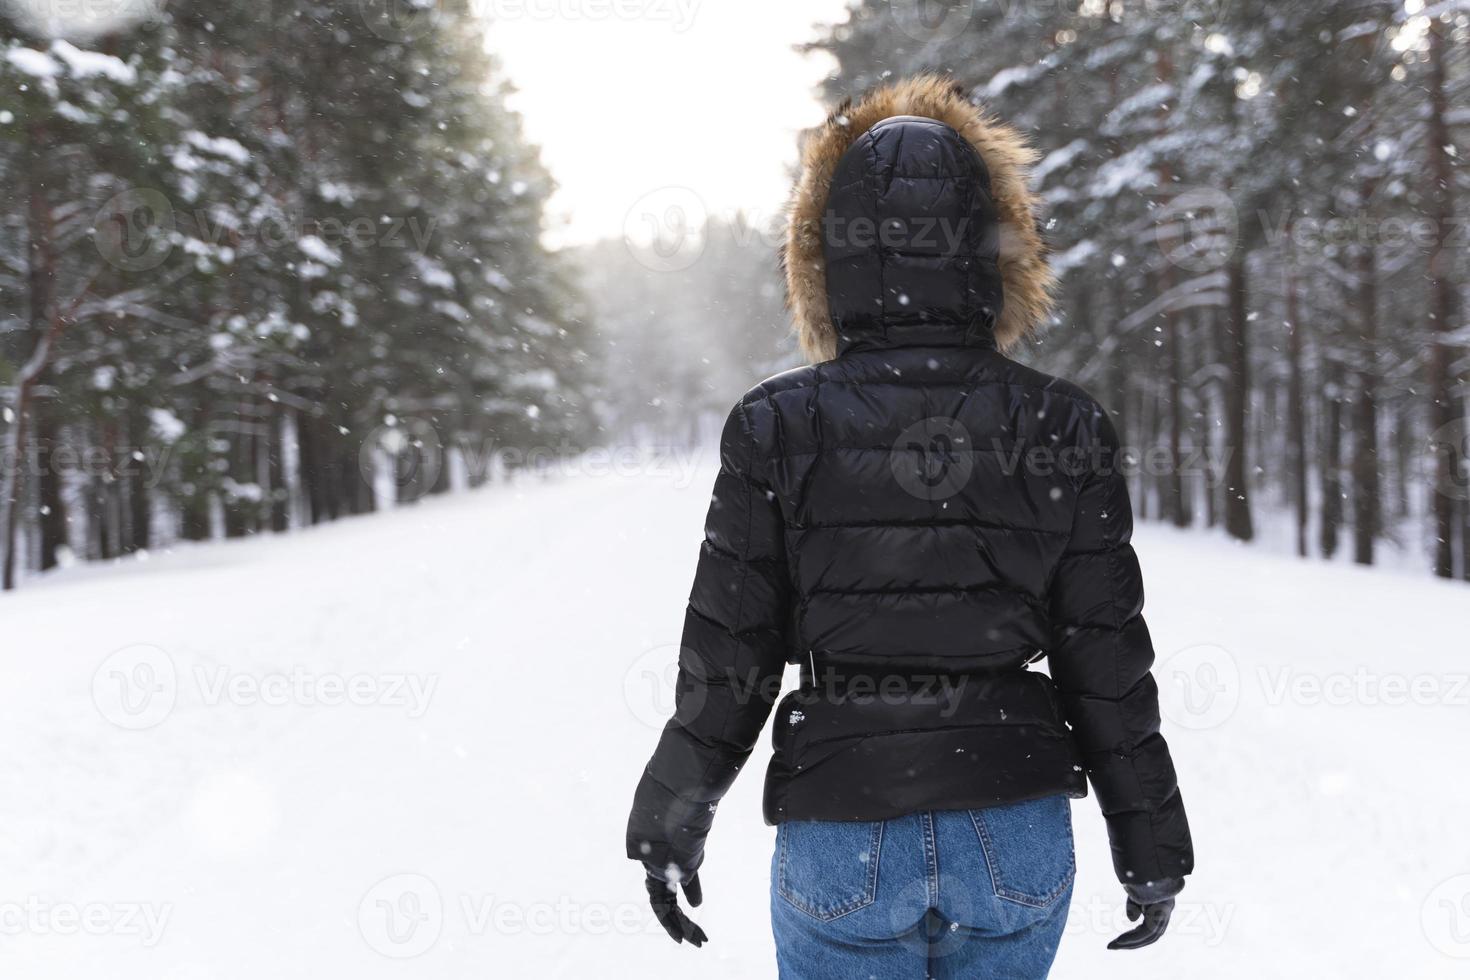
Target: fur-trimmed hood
(1016, 257)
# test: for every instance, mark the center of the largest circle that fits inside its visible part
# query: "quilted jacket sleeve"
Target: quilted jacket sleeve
(731, 661)
(1100, 663)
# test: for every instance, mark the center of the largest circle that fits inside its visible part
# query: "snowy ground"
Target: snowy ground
(403, 746)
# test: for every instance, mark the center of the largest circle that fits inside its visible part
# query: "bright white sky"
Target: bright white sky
(707, 95)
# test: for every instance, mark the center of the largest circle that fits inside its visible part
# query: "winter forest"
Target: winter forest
(363, 366)
(238, 242)
(1254, 209)
(252, 257)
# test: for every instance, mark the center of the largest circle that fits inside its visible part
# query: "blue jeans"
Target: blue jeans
(950, 893)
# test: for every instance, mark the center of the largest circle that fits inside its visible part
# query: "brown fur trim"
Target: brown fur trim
(1025, 276)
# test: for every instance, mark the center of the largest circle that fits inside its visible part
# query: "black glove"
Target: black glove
(664, 897)
(1153, 901)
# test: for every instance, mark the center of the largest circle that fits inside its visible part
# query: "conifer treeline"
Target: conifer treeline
(247, 253)
(1257, 211)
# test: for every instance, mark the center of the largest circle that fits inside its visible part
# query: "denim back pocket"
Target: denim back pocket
(1028, 847)
(826, 868)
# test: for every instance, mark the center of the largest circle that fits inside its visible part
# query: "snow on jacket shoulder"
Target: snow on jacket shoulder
(915, 520)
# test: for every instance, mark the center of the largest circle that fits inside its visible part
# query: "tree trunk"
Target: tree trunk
(140, 510)
(1214, 476)
(15, 497)
(309, 453)
(109, 504)
(44, 321)
(278, 494)
(1118, 387)
(1238, 523)
(359, 492)
(1444, 406)
(329, 459)
(194, 507)
(1296, 414)
(1367, 507)
(1144, 429)
(52, 506)
(1404, 457)
(442, 477)
(1462, 501)
(194, 517)
(239, 428)
(1176, 504)
(1331, 457)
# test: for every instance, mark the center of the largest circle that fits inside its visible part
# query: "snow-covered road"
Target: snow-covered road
(403, 746)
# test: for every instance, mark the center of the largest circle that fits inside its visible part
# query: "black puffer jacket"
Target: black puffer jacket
(915, 520)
